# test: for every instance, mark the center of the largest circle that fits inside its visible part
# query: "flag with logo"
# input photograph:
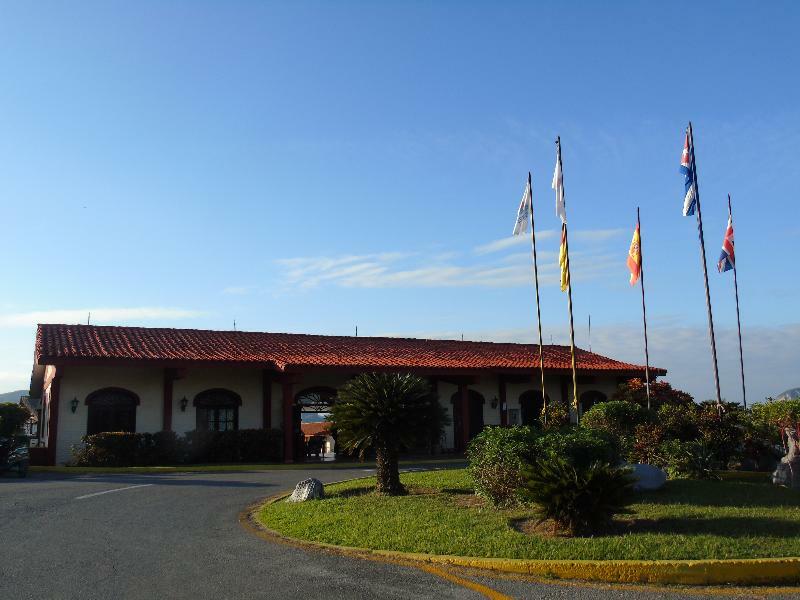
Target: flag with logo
(562, 259)
(687, 168)
(521, 226)
(727, 260)
(635, 257)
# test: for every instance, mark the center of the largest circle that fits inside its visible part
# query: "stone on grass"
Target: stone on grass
(788, 471)
(308, 489)
(648, 477)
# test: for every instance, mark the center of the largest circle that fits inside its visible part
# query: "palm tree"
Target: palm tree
(385, 412)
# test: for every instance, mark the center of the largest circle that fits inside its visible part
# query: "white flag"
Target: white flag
(521, 226)
(558, 186)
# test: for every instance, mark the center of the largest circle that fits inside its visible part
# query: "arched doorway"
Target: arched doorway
(531, 403)
(475, 404)
(590, 398)
(111, 409)
(312, 432)
(217, 409)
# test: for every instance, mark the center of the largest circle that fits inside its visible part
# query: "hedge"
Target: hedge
(122, 449)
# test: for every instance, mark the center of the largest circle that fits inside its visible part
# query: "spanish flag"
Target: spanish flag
(562, 259)
(635, 257)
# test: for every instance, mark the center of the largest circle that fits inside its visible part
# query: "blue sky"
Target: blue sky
(310, 167)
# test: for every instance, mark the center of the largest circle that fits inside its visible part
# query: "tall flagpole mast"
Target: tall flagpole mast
(738, 320)
(569, 300)
(538, 310)
(644, 310)
(705, 269)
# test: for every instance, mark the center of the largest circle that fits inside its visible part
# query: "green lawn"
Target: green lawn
(685, 520)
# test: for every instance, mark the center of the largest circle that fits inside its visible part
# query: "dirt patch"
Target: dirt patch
(469, 501)
(534, 526)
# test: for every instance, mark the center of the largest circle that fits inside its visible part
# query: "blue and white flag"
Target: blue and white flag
(687, 168)
(521, 226)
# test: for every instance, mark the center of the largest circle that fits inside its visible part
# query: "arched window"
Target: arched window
(589, 399)
(111, 409)
(531, 403)
(217, 410)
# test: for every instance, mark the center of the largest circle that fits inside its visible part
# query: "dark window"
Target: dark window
(111, 409)
(531, 404)
(217, 410)
(589, 399)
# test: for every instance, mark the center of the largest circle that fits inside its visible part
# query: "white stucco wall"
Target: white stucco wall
(147, 383)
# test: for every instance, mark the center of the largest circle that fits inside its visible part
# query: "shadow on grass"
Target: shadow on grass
(720, 526)
(735, 494)
(458, 491)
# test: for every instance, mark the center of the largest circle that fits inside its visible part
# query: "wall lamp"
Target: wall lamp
(184, 402)
(73, 404)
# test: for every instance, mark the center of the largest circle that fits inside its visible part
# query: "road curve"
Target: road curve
(178, 536)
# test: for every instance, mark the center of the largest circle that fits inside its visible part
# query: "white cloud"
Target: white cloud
(237, 290)
(595, 235)
(99, 315)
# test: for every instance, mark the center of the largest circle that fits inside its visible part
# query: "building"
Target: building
(318, 438)
(90, 379)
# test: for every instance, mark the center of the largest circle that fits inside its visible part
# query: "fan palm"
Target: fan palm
(385, 412)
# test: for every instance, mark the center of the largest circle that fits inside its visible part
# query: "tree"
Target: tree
(386, 412)
(661, 392)
(12, 418)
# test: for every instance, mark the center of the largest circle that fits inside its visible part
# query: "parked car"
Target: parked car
(14, 455)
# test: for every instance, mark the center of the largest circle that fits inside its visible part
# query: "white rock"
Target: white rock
(648, 477)
(308, 489)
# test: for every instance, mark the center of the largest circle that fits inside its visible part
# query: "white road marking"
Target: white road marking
(130, 487)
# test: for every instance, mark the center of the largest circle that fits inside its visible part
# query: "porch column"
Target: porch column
(288, 420)
(463, 391)
(52, 426)
(502, 398)
(166, 420)
(266, 399)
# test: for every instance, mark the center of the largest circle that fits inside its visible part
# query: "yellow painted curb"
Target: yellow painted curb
(746, 571)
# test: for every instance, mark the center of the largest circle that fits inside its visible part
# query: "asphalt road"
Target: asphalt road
(178, 536)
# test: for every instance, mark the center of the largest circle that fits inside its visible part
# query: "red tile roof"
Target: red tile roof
(322, 428)
(58, 344)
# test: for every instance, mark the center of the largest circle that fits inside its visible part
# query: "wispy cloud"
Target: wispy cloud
(418, 270)
(237, 290)
(583, 235)
(99, 315)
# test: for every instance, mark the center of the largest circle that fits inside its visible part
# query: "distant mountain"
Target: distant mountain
(13, 396)
(791, 394)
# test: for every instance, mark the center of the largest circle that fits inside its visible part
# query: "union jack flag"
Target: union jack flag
(727, 260)
(687, 168)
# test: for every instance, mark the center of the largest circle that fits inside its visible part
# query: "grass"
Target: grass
(685, 520)
(237, 467)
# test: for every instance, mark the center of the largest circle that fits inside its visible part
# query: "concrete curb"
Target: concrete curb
(745, 572)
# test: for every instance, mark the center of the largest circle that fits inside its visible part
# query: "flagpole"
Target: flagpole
(538, 309)
(738, 320)
(644, 310)
(705, 269)
(569, 298)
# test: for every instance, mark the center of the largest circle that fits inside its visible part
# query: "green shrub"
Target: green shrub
(691, 460)
(555, 415)
(12, 418)
(777, 414)
(123, 449)
(496, 459)
(242, 445)
(680, 421)
(618, 419)
(580, 500)
(661, 392)
(578, 446)
(647, 440)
